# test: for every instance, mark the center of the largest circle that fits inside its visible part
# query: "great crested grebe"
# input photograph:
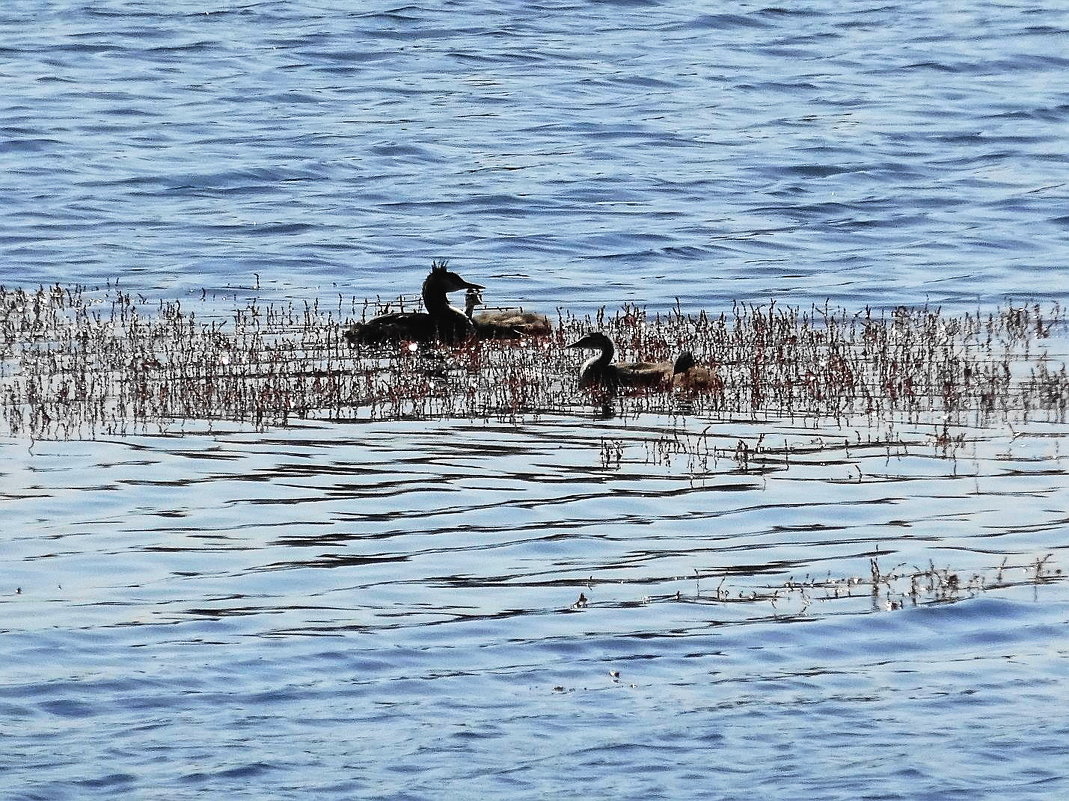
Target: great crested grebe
(439, 323)
(504, 323)
(599, 371)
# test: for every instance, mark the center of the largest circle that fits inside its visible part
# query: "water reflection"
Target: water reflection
(405, 524)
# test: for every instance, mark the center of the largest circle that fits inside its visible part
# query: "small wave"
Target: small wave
(719, 22)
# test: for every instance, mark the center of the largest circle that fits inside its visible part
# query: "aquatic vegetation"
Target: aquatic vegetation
(76, 363)
(902, 587)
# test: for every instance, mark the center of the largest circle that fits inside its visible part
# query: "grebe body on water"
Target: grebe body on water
(441, 322)
(599, 371)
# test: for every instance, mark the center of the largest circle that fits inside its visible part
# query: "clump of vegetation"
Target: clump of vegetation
(904, 586)
(76, 363)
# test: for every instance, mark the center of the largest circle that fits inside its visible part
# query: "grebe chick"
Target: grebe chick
(690, 377)
(439, 323)
(601, 372)
(485, 329)
(505, 323)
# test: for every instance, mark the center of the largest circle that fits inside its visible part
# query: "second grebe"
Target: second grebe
(599, 371)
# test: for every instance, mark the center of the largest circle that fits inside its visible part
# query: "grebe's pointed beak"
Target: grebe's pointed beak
(456, 283)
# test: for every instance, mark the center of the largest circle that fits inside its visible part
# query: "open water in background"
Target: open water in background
(384, 610)
(579, 153)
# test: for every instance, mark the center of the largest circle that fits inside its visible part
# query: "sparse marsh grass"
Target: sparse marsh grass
(901, 587)
(76, 363)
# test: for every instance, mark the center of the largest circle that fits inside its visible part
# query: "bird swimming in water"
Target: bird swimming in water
(599, 371)
(504, 323)
(440, 322)
(486, 329)
(689, 376)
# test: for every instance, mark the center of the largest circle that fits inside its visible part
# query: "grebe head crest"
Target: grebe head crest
(447, 280)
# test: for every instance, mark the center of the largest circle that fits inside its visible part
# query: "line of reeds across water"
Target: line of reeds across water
(80, 363)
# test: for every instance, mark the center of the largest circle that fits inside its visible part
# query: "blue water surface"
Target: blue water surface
(392, 610)
(577, 154)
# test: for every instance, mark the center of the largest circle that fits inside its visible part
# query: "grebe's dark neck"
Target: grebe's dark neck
(607, 352)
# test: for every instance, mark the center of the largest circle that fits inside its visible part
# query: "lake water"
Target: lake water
(556, 604)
